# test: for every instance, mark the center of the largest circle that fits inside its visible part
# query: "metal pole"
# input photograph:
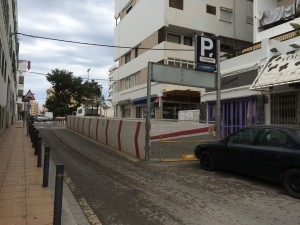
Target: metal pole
(100, 104)
(58, 194)
(46, 167)
(148, 108)
(218, 93)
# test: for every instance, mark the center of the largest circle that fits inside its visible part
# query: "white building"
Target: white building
(8, 63)
(22, 67)
(145, 25)
(261, 85)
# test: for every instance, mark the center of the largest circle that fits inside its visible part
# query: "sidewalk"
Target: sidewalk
(23, 200)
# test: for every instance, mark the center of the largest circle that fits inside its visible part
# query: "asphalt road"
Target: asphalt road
(122, 191)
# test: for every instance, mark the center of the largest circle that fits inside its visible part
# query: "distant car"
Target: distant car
(40, 118)
(271, 152)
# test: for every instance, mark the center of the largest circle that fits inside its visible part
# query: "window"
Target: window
(174, 38)
(136, 52)
(128, 9)
(211, 9)
(180, 63)
(177, 4)
(226, 14)
(272, 138)
(188, 41)
(127, 57)
(135, 80)
(139, 112)
(243, 137)
(127, 83)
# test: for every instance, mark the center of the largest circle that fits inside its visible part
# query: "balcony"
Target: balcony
(281, 14)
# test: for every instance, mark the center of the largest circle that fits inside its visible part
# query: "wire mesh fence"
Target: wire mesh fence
(175, 140)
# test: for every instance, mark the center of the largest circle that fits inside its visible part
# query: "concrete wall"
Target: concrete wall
(125, 136)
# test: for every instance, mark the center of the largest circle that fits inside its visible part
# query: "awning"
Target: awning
(279, 70)
(143, 100)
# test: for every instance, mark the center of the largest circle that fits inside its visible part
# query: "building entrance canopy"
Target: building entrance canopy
(279, 70)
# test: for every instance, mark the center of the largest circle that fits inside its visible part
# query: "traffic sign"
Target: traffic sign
(29, 96)
(206, 50)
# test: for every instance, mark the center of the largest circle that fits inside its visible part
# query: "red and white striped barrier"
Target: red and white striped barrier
(125, 136)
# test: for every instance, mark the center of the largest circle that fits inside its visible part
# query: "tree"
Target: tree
(91, 92)
(67, 92)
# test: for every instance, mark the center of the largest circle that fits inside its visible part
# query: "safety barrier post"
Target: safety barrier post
(58, 194)
(33, 136)
(39, 152)
(36, 139)
(46, 166)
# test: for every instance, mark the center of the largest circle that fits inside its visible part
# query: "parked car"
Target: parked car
(271, 152)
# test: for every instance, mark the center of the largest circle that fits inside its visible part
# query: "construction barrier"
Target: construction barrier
(125, 136)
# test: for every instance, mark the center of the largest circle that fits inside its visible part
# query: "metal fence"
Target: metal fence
(175, 140)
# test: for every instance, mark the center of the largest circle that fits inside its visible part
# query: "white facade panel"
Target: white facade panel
(145, 18)
(194, 17)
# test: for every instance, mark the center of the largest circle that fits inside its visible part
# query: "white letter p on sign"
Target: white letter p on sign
(206, 45)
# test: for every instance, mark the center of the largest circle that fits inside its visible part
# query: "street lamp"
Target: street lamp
(88, 71)
(100, 99)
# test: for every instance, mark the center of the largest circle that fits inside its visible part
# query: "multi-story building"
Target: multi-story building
(9, 51)
(22, 67)
(149, 28)
(34, 110)
(261, 85)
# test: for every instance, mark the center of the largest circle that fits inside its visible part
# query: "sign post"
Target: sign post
(208, 59)
(29, 96)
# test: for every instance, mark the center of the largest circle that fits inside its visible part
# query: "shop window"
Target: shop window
(139, 112)
(211, 9)
(226, 14)
(174, 38)
(177, 4)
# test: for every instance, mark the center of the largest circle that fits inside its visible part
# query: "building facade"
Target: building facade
(163, 31)
(22, 67)
(9, 51)
(261, 85)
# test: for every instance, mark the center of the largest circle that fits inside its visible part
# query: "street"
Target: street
(123, 191)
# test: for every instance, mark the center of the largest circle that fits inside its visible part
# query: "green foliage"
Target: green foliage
(69, 92)
(296, 26)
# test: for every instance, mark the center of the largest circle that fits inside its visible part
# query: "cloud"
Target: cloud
(77, 20)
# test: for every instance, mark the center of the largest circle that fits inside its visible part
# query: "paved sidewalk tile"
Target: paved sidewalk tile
(23, 200)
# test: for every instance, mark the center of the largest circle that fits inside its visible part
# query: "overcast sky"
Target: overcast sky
(76, 20)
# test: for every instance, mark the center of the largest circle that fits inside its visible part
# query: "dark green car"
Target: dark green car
(271, 152)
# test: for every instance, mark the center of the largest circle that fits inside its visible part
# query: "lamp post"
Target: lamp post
(88, 71)
(100, 104)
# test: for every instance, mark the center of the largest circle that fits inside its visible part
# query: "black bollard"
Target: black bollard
(58, 194)
(46, 167)
(33, 136)
(36, 139)
(39, 151)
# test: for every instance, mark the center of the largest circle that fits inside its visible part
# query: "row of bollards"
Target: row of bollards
(37, 144)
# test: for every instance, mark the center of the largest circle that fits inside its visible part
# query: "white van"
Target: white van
(49, 116)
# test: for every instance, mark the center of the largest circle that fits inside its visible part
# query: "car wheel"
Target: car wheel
(207, 161)
(291, 182)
